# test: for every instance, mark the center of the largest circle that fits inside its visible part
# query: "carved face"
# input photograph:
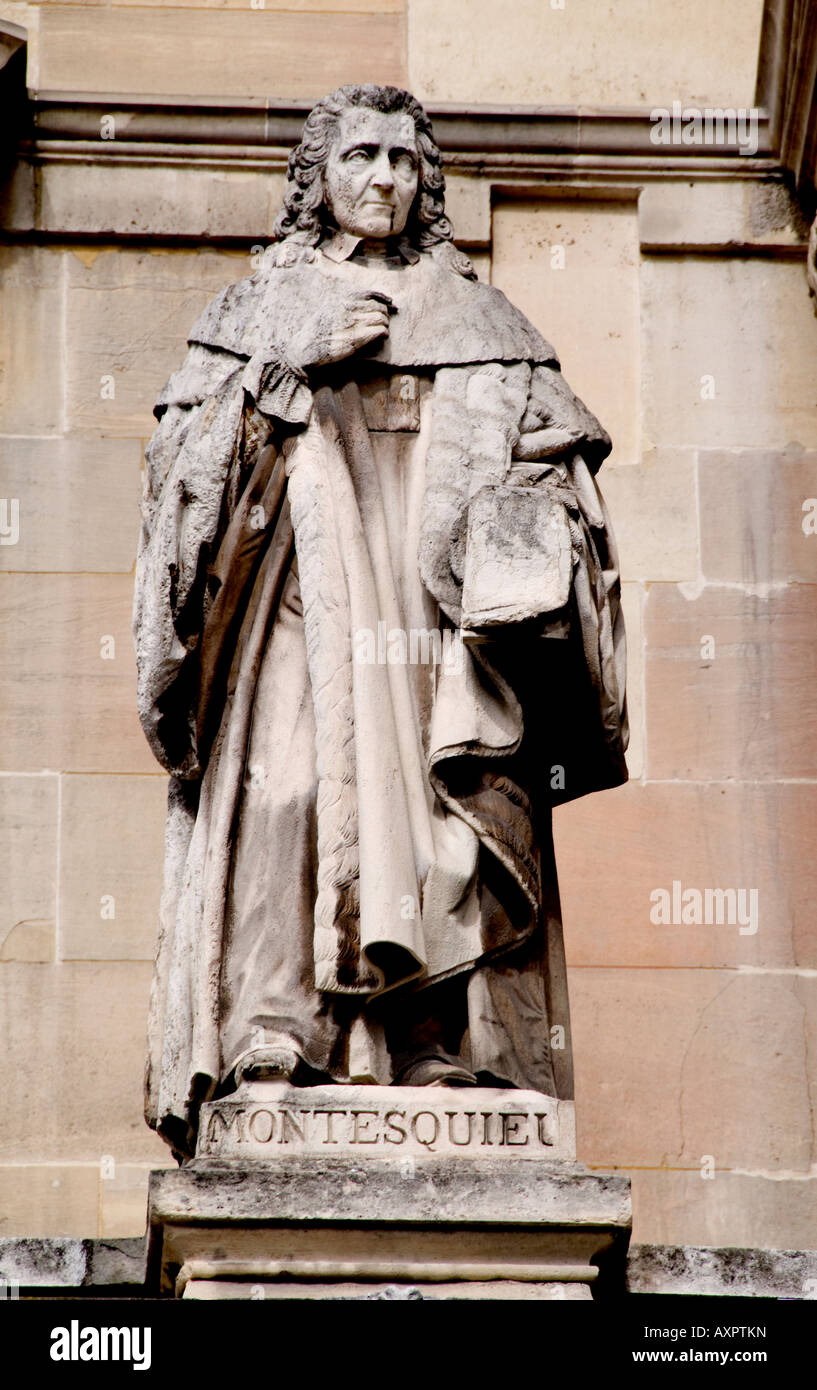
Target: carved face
(370, 179)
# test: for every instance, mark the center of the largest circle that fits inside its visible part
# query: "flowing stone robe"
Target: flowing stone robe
(378, 637)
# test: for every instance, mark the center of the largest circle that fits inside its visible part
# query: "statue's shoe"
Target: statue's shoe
(267, 1064)
(435, 1071)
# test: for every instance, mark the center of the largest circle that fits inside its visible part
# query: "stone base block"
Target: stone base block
(313, 1226)
(505, 1290)
(266, 1120)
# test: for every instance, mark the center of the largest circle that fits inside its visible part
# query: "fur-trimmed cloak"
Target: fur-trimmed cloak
(443, 482)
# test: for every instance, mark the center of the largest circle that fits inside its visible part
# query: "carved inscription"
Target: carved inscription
(265, 1121)
(249, 1127)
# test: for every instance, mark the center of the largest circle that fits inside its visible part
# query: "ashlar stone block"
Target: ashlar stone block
(729, 682)
(112, 848)
(76, 1031)
(573, 268)
(77, 501)
(128, 317)
(727, 350)
(758, 516)
(140, 200)
(677, 1207)
(347, 1221)
(123, 1199)
(28, 866)
(31, 340)
(18, 203)
(49, 1199)
(368, 7)
(632, 54)
(228, 52)
(654, 513)
(721, 1083)
(69, 653)
(750, 841)
(717, 214)
(468, 205)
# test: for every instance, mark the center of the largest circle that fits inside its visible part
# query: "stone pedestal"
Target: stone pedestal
(369, 1192)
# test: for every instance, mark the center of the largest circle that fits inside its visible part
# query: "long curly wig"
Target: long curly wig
(304, 216)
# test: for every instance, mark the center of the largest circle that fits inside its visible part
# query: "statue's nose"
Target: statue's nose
(383, 175)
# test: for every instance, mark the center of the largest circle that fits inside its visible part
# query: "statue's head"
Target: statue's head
(368, 164)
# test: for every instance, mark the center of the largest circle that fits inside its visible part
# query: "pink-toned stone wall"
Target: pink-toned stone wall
(695, 1043)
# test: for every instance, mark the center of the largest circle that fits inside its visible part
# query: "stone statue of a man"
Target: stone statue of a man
(378, 635)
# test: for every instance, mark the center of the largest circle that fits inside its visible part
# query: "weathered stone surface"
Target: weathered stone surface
(654, 511)
(394, 1253)
(267, 1121)
(435, 317)
(28, 836)
(739, 1273)
(232, 53)
(123, 1196)
(68, 637)
(506, 1290)
(538, 1192)
(691, 214)
(31, 340)
(727, 348)
(691, 1088)
(432, 1219)
(701, 836)
(736, 1209)
(758, 516)
(130, 200)
(773, 821)
(112, 841)
(128, 314)
(739, 705)
(88, 1021)
(365, 7)
(519, 559)
(433, 453)
(37, 1262)
(573, 268)
(30, 940)
(631, 54)
(67, 1262)
(78, 503)
(47, 1199)
(715, 214)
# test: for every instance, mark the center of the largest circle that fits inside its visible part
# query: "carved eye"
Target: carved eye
(357, 157)
(404, 165)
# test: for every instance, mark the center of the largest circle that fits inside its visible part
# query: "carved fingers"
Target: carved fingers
(337, 331)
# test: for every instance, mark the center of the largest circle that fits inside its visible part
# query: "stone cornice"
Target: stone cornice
(248, 127)
(135, 147)
(246, 130)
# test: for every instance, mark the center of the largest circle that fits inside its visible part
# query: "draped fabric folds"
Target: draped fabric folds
(400, 808)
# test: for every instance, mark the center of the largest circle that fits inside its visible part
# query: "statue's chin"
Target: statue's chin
(374, 228)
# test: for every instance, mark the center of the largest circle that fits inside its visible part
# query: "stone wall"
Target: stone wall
(676, 295)
(555, 52)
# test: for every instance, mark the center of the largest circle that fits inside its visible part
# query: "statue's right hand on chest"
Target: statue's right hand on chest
(338, 329)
